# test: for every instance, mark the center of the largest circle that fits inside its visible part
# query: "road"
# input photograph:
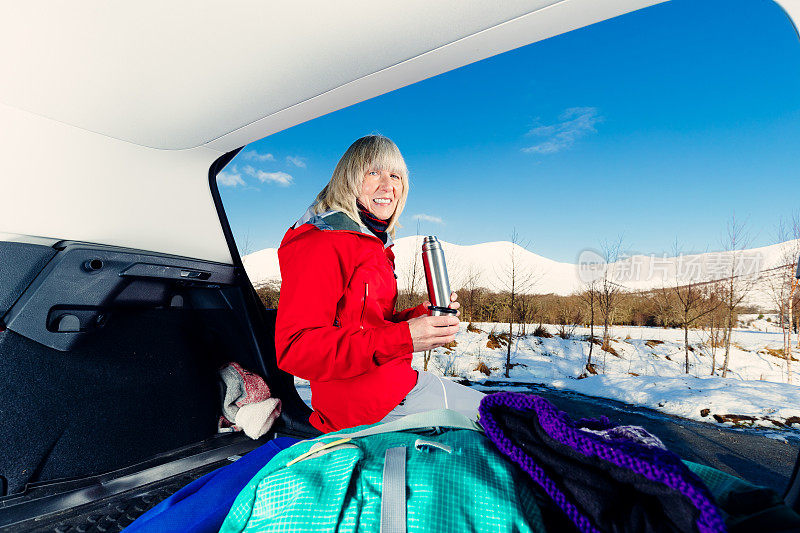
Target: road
(748, 453)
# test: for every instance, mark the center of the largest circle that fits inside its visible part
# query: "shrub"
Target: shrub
(473, 328)
(775, 352)
(495, 341)
(778, 352)
(566, 331)
(541, 331)
(269, 293)
(606, 347)
(483, 368)
(652, 343)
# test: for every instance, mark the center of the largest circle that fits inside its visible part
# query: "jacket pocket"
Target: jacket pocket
(364, 305)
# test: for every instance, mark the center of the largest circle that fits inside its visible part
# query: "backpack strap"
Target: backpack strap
(393, 492)
(428, 419)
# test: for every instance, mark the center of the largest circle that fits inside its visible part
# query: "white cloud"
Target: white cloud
(278, 178)
(296, 161)
(230, 178)
(574, 123)
(253, 155)
(428, 218)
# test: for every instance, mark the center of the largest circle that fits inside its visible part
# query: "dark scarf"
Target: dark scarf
(375, 225)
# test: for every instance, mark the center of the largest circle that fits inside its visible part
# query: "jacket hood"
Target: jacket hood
(335, 221)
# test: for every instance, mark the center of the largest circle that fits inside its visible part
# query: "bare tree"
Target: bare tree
(526, 310)
(781, 283)
(793, 271)
(608, 291)
(590, 297)
(245, 245)
(415, 273)
(714, 334)
(515, 279)
(738, 282)
(426, 358)
(689, 300)
(569, 316)
(695, 301)
(472, 291)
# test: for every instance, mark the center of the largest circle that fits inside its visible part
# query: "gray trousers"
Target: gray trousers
(432, 392)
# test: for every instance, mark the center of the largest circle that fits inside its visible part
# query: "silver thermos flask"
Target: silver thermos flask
(436, 277)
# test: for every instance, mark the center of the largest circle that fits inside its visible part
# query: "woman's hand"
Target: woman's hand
(453, 303)
(429, 332)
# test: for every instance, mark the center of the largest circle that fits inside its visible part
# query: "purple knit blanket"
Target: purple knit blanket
(652, 462)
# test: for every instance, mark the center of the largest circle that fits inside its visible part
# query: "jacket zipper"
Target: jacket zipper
(364, 305)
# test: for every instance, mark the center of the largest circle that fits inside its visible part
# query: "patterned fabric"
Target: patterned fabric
(591, 465)
(471, 489)
(246, 402)
(627, 433)
(337, 221)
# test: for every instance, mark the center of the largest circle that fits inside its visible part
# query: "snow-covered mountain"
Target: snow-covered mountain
(489, 264)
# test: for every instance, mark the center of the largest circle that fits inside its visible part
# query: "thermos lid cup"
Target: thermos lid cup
(440, 311)
(430, 243)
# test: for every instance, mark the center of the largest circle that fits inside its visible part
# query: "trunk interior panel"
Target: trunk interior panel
(19, 264)
(131, 373)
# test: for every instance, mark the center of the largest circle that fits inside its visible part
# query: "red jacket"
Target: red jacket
(336, 324)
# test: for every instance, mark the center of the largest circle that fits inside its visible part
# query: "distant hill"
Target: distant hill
(489, 264)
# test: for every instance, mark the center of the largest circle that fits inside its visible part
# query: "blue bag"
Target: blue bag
(201, 506)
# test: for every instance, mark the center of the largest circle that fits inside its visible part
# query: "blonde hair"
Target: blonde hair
(373, 152)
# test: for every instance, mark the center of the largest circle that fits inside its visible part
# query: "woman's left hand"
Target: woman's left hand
(453, 303)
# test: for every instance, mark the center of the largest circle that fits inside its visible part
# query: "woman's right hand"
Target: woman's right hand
(429, 332)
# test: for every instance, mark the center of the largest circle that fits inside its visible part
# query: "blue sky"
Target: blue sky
(654, 126)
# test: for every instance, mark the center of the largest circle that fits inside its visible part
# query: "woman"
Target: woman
(336, 323)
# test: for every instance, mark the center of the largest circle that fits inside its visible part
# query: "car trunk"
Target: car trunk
(110, 360)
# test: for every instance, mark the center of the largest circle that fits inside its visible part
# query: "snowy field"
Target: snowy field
(761, 322)
(647, 370)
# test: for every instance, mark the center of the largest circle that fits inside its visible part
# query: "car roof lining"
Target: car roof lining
(224, 75)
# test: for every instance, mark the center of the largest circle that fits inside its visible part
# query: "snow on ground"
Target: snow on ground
(648, 371)
(303, 389)
(761, 322)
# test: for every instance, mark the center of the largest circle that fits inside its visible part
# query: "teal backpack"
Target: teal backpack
(433, 471)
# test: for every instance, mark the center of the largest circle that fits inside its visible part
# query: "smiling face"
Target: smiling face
(380, 192)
